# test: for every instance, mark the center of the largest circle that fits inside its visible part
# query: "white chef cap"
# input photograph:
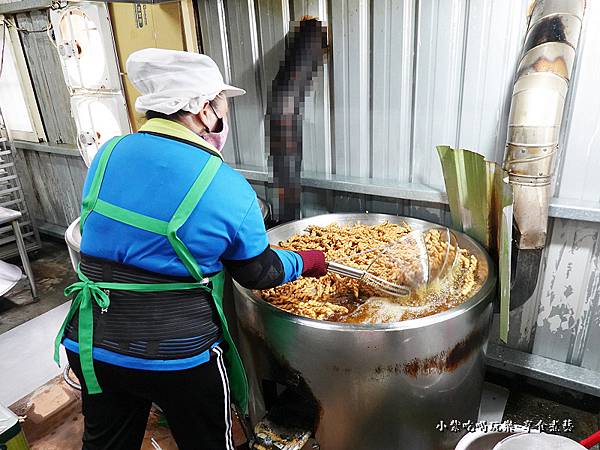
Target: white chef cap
(172, 80)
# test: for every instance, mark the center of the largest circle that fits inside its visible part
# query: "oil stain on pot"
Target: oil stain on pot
(445, 361)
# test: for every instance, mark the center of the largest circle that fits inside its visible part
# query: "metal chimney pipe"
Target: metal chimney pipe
(536, 112)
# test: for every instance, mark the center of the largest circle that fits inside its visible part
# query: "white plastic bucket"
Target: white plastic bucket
(541, 441)
(11, 435)
(73, 240)
(486, 440)
(520, 439)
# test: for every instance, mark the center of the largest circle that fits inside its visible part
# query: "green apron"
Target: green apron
(87, 291)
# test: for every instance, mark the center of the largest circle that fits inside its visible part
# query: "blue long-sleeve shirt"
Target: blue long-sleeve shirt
(150, 173)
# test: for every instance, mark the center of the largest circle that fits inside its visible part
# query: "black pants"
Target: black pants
(195, 402)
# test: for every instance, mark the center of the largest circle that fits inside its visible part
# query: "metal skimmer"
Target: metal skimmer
(404, 265)
(373, 280)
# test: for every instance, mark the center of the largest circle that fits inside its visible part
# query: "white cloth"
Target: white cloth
(172, 80)
(9, 276)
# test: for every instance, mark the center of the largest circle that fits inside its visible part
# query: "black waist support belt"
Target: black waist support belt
(152, 325)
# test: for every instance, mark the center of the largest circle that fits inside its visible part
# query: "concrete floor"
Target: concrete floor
(526, 401)
(52, 271)
(531, 403)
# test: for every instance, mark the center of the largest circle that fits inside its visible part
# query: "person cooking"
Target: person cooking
(162, 215)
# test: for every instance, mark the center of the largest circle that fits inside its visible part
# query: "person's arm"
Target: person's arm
(255, 265)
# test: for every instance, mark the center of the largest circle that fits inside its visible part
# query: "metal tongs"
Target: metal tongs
(406, 262)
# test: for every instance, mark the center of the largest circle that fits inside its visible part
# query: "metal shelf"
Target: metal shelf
(11, 195)
(150, 2)
(11, 250)
(571, 209)
(559, 208)
(544, 369)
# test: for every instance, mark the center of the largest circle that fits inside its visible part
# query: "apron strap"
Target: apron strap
(132, 218)
(141, 221)
(185, 209)
(89, 202)
(86, 293)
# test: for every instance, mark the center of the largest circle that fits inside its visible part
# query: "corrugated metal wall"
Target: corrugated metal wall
(567, 323)
(401, 77)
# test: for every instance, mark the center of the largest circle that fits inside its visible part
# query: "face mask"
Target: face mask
(218, 138)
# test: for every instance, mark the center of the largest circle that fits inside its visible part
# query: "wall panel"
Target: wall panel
(47, 78)
(401, 77)
(52, 184)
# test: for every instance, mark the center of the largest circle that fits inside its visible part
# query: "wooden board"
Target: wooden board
(52, 185)
(25, 180)
(47, 78)
(70, 198)
(137, 26)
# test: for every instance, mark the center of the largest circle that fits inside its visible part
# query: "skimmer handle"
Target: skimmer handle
(346, 271)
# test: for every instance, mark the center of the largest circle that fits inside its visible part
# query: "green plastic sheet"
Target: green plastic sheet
(480, 201)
